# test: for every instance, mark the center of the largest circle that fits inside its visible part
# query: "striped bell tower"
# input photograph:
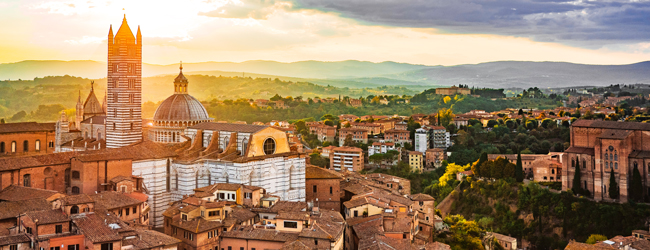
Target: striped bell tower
(124, 80)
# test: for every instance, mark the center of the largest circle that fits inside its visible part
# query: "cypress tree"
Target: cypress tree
(519, 169)
(613, 186)
(577, 185)
(477, 167)
(636, 189)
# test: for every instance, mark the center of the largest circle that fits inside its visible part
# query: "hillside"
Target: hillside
(546, 219)
(514, 74)
(358, 74)
(304, 69)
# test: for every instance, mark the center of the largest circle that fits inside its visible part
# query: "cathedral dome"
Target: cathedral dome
(181, 107)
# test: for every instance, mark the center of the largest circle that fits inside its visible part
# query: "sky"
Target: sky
(430, 32)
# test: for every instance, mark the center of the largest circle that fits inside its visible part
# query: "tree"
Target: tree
(613, 186)
(595, 238)
(2, 121)
(348, 142)
(636, 189)
(476, 168)
(519, 170)
(577, 184)
(18, 116)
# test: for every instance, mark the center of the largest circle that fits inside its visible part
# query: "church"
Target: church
(183, 150)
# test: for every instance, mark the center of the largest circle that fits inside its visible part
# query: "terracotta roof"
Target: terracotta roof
(138, 196)
(353, 129)
(47, 216)
(230, 127)
(396, 131)
(292, 215)
(436, 246)
(295, 245)
(155, 239)
(422, 197)
(314, 172)
(347, 149)
(247, 232)
(14, 239)
(288, 206)
(96, 229)
(611, 125)
(326, 224)
(19, 193)
(12, 163)
(583, 246)
(241, 214)
(401, 224)
(18, 127)
(502, 237)
(111, 200)
(381, 242)
(11, 209)
(415, 153)
(121, 178)
(198, 225)
(77, 199)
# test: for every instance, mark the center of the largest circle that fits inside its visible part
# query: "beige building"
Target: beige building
(346, 159)
(453, 90)
(416, 161)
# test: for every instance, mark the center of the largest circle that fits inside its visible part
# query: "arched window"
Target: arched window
(615, 165)
(13, 146)
(75, 190)
(38, 145)
(25, 146)
(250, 178)
(75, 175)
(2, 147)
(74, 209)
(206, 142)
(244, 146)
(606, 155)
(615, 156)
(269, 146)
(610, 165)
(99, 134)
(584, 164)
(573, 163)
(636, 165)
(292, 184)
(27, 180)
(225, 142)
(606, 165)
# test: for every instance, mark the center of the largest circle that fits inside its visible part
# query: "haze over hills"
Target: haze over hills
(358, 74)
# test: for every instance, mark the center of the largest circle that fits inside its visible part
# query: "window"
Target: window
(27, 180)
(50, 144)
(615, 165)
(38, 145)
(107, 246)
(291, 224)
(184, 216)
(573, 163)
(331, 190)
(13, 146)
(58, 229)
(75, 175)
(269, 146)
(584, 164)
(28, 230)
(13, 247)
(75, 190)
(127, 211)
(25, 146)
(552, 171)
(74, 209)
(55, 248)
(135, 209)
(315, 188)
(73, 247)
(403, 236)
(356, 213)
(2, 147)
(316, 242)
(241, 248)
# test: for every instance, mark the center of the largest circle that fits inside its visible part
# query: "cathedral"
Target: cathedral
(182, 150)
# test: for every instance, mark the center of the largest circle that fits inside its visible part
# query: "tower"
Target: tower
(124, 86)
(79, 112)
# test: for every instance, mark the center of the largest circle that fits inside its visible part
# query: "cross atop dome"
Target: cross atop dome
(180, 82)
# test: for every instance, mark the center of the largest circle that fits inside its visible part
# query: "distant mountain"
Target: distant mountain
(517, 74)
(304, 69)
(360, 74)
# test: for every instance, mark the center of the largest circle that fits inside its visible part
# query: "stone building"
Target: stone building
(176, 113)
(124, 87)
(453, 90)
(598, 147)
(400, 137)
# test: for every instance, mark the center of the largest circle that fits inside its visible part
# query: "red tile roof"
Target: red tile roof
(19, 127)
(19, 193)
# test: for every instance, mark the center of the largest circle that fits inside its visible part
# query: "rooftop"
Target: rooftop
(18, 127)
(230, 127)
(19, 193)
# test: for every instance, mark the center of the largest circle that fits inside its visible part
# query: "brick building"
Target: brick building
(323, 132)
(323, 188)
(599, 147)
(27, 138)
(434, 157)
(397, 136)
(371, 128)
(545, 170)
(358, 135)
(347, 159)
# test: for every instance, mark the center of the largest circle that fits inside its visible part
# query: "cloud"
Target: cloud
(256, 9)
(577, 22)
